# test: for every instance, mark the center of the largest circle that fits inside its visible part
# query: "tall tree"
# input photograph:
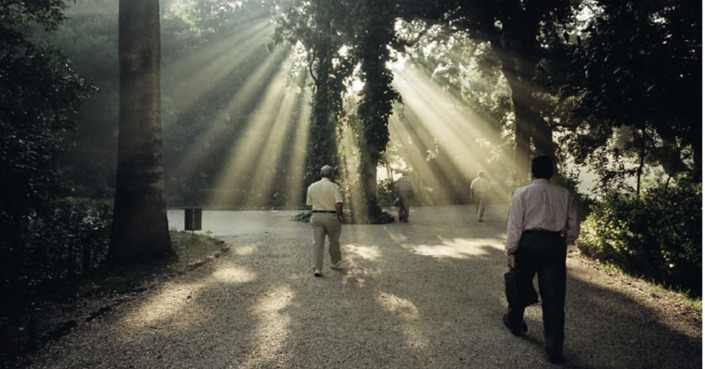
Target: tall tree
(40, 95)
(373, 36)
(318, 25)
(140, 230)
(638, 73)
(515, 30)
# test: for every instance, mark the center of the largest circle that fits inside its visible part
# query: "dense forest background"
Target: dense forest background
(257, 95)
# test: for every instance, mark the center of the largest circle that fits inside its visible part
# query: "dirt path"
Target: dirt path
(425, 294)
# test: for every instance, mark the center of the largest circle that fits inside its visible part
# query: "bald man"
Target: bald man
(326, 202)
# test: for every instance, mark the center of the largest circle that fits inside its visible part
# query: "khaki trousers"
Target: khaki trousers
(480, 204)
(322, 225)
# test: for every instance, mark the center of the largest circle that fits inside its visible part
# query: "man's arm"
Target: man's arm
(339, 211)
(339, 204)
(515, 226)
(572, 227)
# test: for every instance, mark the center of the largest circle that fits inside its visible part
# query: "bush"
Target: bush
(658, 237)
(61, 245)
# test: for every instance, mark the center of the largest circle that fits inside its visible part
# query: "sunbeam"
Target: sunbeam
(254, 164)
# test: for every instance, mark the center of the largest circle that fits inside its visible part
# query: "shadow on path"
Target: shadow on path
(424, 294)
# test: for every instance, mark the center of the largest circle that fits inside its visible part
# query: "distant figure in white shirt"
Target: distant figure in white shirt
(326, 202)
(542, 222)
(479, 188)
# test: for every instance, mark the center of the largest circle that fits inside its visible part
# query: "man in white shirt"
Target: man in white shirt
(478, 194)
(326, 202)
(542, 222)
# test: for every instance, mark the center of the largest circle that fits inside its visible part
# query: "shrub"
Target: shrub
(657, 236)
(62, 244)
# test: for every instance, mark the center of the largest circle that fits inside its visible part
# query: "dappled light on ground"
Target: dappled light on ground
(399, 306)
(366, 252)
(273, 329)
(459, 248)
(166, 305)
(234, 275)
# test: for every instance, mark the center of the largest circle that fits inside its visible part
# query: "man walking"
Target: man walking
(542, 222)
(405, 191)
(326, 203)
(478, 194)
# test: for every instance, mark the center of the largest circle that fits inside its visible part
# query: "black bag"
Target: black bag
(519, 289)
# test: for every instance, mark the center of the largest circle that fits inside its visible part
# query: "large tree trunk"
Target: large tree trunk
(322, 145)
(140, 232)
(378, 95)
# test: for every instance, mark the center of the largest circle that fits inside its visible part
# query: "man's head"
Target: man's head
(480, 173)
(327, 171)
(542, 167)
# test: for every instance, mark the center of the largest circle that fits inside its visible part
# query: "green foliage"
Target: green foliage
(658, 236)
(636, 69)
(321, 27)
(60, 246)
(385, 192)
(39, 98)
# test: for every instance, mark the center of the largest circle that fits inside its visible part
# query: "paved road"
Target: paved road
(425, 294)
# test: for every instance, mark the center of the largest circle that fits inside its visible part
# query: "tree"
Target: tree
(140, 231)
(373, 35)
(515, 30)
(319, 26)
(39, 98)
(637, 72)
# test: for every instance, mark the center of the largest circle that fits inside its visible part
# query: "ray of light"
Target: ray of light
(417, 149)
(246, 96)
(258, 151)
(265, 171)
(201, 72)
(436, 123)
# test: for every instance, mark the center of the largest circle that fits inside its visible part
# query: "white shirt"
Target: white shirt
(323, 195)
(480, 185)
(542, 206)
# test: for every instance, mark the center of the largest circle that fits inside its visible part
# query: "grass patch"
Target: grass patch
(189, 248)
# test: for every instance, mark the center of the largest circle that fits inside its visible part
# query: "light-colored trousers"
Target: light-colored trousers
(323, 224)
(480, 204)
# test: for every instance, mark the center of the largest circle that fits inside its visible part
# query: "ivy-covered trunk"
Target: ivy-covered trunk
(140, 232)
(322, 143)
(375, 31)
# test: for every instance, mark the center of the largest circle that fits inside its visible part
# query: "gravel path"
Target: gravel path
(424, 294)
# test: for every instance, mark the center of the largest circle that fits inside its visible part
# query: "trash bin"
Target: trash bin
(193, 219)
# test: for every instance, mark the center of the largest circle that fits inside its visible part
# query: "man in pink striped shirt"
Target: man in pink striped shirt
(542, 222)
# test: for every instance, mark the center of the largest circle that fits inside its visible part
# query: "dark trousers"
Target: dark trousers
(403, 206)
(543, 253)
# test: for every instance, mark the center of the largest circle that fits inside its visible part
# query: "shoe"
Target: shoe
(555, 358)
(480, 220)
(405, 221)
(515, 331)
(317, 273)
(337, 265)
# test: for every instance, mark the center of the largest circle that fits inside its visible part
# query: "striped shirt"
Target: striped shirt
(542, 206)
(403, 185)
